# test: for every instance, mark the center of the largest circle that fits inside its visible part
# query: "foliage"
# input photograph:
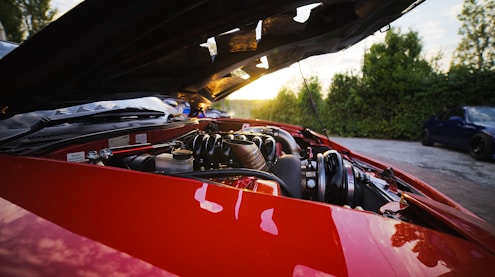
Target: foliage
(283, 108)
(295, 107)
(477, 47)
(382, 103)
(239, 108)
(23, 18)
(345, 104)
(36, 14)
(471, 88)
(11, 18)
(471, 77)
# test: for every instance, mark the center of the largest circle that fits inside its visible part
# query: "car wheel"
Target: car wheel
(426, 138)
(480, 147)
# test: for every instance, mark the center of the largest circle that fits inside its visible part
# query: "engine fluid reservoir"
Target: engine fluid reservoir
(178, 161)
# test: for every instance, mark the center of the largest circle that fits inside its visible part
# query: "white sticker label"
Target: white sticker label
(119, 141)
(76, 157)
(141, 139)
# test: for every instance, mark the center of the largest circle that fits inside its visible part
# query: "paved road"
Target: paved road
(469, 182)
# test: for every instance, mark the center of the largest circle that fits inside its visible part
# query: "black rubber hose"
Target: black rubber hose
(238, 172)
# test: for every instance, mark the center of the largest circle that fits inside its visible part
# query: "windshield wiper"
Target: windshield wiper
(85, 117)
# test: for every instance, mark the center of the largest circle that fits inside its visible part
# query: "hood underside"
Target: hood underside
(200, 51)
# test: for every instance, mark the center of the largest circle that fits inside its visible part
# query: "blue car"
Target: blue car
(470, 128)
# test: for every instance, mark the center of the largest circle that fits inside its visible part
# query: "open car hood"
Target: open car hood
(111, 49)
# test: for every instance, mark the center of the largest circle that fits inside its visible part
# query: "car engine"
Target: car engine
(265, 159)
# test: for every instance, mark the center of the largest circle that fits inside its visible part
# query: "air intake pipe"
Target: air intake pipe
(247, 153)
(289, 144)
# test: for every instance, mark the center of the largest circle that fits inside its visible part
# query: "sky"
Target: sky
(434, 20)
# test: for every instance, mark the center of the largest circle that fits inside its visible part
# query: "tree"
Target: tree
(393, 70)
(477, 47)
(283, 108)
(394, 74)
(344, 104)
(469, 88)
(11, 18)
(23, 18)
(36, 14)
(392, 96)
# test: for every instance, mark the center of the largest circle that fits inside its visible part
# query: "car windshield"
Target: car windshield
(481, 114)
(25, 120)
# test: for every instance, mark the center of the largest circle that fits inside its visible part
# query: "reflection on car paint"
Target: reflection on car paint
(305, 271)
(267, 223)
(238, 204)
(200, 196)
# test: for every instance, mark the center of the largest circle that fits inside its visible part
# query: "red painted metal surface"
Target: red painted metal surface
(33, 246)
(193, 228)
(478, 231)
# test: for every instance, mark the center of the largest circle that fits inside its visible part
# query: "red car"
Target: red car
(98, 179)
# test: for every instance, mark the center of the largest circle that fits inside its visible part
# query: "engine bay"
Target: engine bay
(265, 159)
